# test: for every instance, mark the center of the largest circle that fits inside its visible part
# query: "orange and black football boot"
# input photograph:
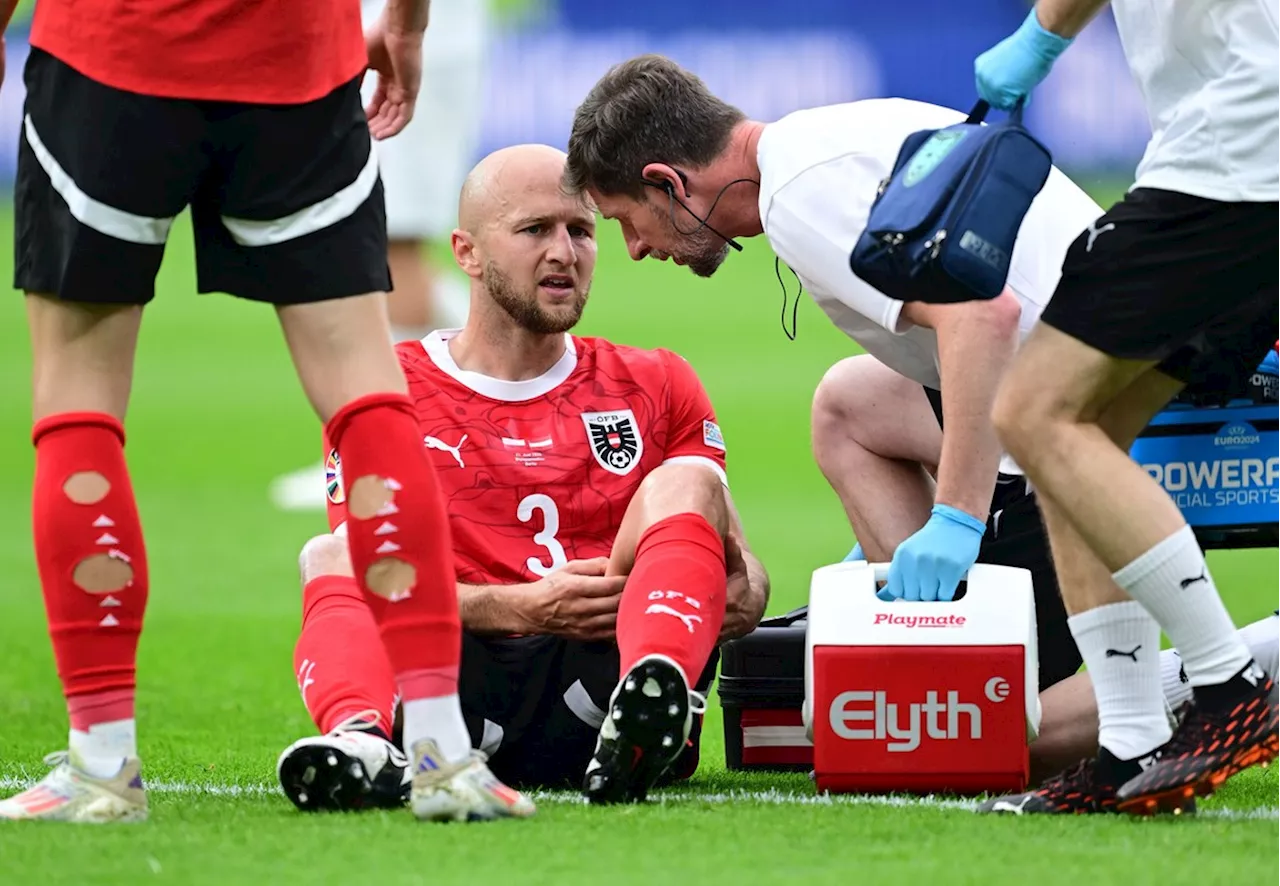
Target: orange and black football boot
(1088, 788)
(1218, 737)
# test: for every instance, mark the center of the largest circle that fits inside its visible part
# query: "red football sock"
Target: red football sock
(92, 562)
(376, 437)
(673, 603)
(341, 666)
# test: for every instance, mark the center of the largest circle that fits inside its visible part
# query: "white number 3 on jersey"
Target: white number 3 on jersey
(547, 537)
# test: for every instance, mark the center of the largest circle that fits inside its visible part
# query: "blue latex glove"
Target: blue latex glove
(930, 564)
(854, 555)
(1013, 67)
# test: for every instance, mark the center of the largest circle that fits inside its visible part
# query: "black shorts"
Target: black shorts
(1169, 278)
(286, 201)
(535, 705)
(1016, 536)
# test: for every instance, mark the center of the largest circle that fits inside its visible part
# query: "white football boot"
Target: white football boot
(645, 729)
(68, 793)
(463, 791)
(348, 769)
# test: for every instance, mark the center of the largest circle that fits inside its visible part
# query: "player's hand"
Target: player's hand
(577, 601)
(1013, 67)
(929, 565)
(744, 602)
(396, 57)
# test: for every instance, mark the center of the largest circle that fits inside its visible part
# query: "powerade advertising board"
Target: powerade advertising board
(1222, 468)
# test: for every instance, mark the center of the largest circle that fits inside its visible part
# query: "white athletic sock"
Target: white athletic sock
(1120, 644)
(439, 719)
(1263, 639)
(1172, 582)
(103, 749)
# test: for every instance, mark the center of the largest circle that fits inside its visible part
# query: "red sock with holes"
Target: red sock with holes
(377, 436)
(673, 603)
(341, 667)
(86, 528)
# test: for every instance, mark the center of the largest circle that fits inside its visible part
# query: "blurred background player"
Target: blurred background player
(1162, 283)
(422, 169)
(595, 543)
(268, 141)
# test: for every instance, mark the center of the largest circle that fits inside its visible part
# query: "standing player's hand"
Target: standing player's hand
(1013, 67)
(396, 57)
(743, 604)
(577, 601)
(929, 565)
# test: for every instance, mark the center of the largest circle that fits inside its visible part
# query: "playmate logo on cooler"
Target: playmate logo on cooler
(1237, 434)
(919, 621)
(903, 726)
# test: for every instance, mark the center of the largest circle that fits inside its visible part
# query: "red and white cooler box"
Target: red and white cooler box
(921, 697)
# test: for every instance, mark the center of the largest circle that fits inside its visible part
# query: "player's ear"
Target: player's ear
(464, 253)
(665, 179)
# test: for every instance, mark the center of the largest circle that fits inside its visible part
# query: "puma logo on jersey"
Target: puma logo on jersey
(660, 609)
(455, 451)
(1095, 232)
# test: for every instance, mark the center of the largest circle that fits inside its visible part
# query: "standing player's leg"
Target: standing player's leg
(875, 439)
(1138, 293)
(1118, 640)
(348, 688)
(422, 172)
(309, 236)
(671, 545)
(1069, 726)
(92, 218)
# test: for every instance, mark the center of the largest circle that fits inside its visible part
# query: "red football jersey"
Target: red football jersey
(258, 51)
(540, 472)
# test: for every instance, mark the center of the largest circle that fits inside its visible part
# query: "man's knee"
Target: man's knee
(325, 555)
(840, 399)
(678, 488)
(1019, 412)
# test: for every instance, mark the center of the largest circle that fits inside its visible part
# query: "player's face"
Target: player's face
(650, 232)
(538, 264)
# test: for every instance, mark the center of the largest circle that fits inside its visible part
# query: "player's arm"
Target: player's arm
(976, 343)
(1067, 18)
(577, 601)
(747, 595)
(487, 609)
(407, 16)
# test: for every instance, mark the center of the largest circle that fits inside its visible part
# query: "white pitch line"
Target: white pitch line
(770, 797)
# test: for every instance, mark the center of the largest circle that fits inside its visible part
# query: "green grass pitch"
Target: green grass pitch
(217, 413)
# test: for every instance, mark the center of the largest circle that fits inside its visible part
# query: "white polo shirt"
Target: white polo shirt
(1209, 72)
(819, 171)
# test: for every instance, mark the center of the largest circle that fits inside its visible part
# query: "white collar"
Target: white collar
(437, 347)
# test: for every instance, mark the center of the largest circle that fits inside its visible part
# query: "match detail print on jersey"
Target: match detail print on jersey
(615, 440)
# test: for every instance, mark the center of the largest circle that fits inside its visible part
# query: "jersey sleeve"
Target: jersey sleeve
(814, 233)
(694, 433)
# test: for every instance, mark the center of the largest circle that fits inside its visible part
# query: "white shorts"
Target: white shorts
(424, 166)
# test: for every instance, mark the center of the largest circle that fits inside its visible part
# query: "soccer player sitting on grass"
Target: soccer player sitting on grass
(598, 554)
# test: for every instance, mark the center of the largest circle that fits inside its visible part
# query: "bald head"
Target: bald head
(529, 243)
(511, 181)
